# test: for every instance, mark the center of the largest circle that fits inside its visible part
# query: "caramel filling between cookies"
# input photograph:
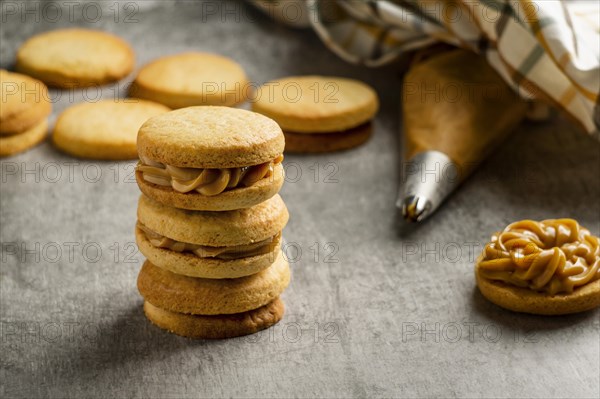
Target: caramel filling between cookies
(552, 256)
(204, 251)
(207, 182)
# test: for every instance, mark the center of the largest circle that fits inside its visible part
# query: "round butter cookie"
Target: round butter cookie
(10, 145)
(316, 104)
(105, 129)
(190, 295)
(217, 326)
(550, 267)
(210, 158)
(226, 244)
(193, 78)
(24, 103)
(75, 58)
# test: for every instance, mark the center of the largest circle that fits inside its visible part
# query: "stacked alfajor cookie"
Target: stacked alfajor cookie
(210, 221)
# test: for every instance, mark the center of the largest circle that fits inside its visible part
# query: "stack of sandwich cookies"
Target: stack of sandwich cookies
(318, 113)
(210, 222)
(25, 106)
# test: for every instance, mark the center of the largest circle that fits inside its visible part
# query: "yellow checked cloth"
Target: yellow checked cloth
(546, 50)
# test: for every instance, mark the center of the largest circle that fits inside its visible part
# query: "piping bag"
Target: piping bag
(456, 110)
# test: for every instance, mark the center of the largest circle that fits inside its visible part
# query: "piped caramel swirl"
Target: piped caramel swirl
(207, 182)
(552, 256)
(203, 251)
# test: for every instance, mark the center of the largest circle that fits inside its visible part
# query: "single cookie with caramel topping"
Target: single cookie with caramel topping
(210, 158)
(550, 267)
(207, 244)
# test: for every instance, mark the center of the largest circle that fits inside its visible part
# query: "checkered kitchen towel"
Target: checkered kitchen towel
(546, 49)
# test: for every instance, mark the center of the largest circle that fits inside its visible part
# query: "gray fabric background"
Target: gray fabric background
(369, 313)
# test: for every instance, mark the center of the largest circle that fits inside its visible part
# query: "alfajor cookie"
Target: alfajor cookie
(11, 145)
(217, 326)
(206, 244)
(319, 113)
(210, 158)
(105, 129)
(190, 295)
(550, 267)
(75, 58)
(24, 103)
(193, 78)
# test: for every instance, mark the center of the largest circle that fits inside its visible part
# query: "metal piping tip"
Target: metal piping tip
(415, 209)
(428, 178)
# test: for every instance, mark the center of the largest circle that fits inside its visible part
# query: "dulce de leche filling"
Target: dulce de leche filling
(203, 251)
(552, 256)
(207, 182)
